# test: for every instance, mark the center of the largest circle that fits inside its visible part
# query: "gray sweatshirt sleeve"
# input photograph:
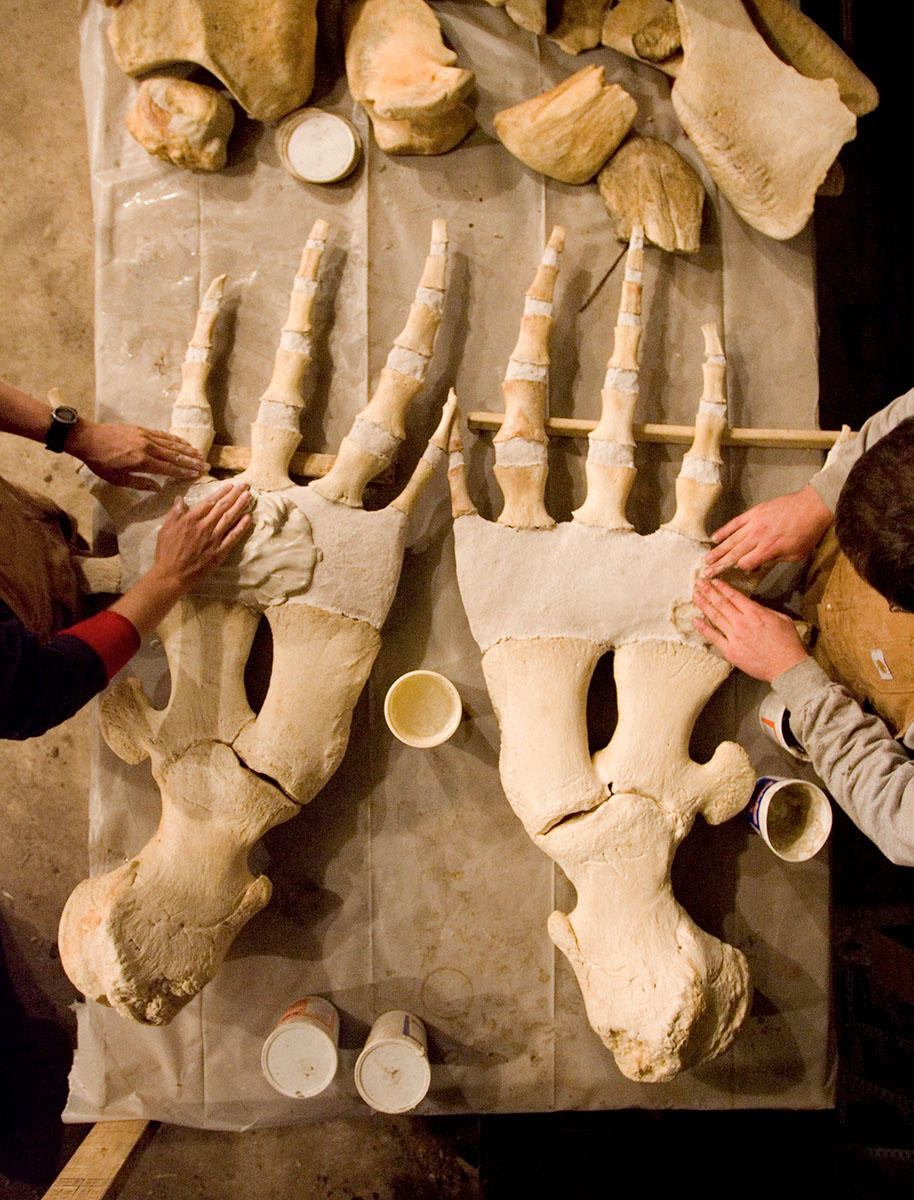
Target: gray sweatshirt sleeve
(864, 768)
(830, 480)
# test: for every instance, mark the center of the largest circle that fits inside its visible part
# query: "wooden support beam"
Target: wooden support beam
(304, 464)
(97, 1161)
(576, 427)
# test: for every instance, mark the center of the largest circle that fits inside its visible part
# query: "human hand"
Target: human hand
(120, 454)
(757, 640)
(784, 529)
(192, 541)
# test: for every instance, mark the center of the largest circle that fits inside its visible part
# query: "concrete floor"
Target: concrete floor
(46, 340)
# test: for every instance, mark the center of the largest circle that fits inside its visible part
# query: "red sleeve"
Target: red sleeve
(113, 638)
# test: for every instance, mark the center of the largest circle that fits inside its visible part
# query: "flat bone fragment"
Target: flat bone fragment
(580, 26)
(767, 135)
(545, 602)
(648, 183)
(624, 20)
(570, 131)
(400, 70)
(798, 40)
(262, 50)
(182, 122)
(146, 937)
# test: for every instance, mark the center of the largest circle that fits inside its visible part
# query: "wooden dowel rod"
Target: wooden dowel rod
(97, 1161)
(304, 464)
(787, 439)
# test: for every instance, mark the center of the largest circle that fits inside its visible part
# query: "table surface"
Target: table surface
(399, 885)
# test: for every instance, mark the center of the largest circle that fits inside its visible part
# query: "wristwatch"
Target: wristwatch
(63, 419)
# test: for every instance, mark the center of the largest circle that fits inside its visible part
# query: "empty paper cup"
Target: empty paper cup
(422, 708)
(775, 721)
(299, 1057)
(317, 146)
(793, 817)
(392, 1073)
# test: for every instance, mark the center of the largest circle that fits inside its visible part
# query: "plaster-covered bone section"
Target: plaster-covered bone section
(148, 936)
(545, 603)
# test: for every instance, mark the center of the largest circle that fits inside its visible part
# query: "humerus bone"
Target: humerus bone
(570, 131)
(545, 602)
(647, 183)
(766, 134)
(262, 50)
(400, 70)
(185, 123)
(148, 936)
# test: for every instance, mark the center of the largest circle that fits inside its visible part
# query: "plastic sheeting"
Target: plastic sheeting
(408, 882)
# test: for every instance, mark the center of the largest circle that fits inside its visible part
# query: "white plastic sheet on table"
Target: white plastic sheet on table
(408, 882)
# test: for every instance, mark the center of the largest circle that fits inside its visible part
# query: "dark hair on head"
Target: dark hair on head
(874, 517)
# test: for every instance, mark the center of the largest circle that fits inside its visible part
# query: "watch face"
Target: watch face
(65, 415)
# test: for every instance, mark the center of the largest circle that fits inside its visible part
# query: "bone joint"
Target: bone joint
(147, 936)
(545, 602)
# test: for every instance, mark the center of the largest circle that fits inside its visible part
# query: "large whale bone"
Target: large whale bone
(545, 602)
(767, 134)
(322, 571)
(262, 50)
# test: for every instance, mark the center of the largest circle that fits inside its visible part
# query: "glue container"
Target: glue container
(422, 708)
(317, 146)
(392, 1073)
(299, 1057)
(791, 815)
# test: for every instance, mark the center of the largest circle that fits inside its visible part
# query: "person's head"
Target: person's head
(874, 517)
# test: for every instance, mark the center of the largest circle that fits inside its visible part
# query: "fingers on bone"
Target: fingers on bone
(191, 415)
(610, 455)
(378, 431)
(276, 431)
(434, 454)
(699, 485)
(521, 443)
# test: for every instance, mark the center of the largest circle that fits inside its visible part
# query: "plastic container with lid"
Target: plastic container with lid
(392, 1073)
(317, 146)
(299, 1058)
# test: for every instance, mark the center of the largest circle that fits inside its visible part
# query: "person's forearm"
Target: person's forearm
(22, 414)
(862, 765)
(149, 600)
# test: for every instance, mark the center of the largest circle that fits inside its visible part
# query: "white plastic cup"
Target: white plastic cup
(392, 1073)
(299, 1058)
(422, 708)
(775, 722)
(317, 146)
(793, 817)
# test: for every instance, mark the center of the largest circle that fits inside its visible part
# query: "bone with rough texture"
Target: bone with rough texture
(766, 134)
(262, 50)
(149, 935)
(569, 132)
(580, 26)
(625, 20)
(648, 183)
(400, 70)
(182, 122)
(545, 602)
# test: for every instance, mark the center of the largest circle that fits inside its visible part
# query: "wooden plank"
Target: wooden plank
(576, 427)
(97, 1161)
(304, 464)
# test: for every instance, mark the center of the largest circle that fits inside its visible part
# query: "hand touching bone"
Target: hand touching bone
(545, 602)
(149, 935)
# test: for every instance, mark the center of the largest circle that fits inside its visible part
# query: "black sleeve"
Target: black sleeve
(43, 683)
